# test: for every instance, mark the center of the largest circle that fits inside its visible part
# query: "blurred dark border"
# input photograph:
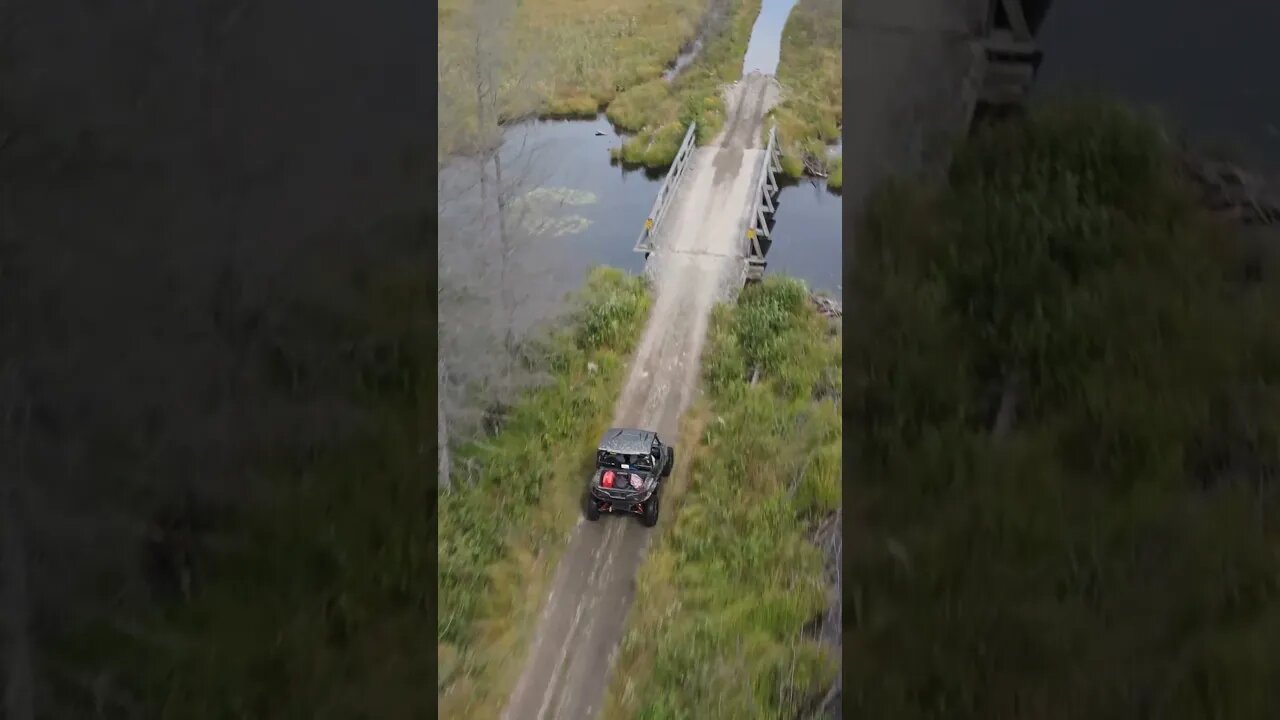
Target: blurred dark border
(165, 163)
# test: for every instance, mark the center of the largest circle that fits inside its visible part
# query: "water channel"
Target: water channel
(765, 45)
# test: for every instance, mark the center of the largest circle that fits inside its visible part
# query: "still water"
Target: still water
(1210, 68)
(765, 44)
(807, 236)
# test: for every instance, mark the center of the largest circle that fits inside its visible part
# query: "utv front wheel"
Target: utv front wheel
(671, 463)
(589, 507)
(650, 516)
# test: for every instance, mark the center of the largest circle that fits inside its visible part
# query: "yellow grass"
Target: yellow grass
(585, 51)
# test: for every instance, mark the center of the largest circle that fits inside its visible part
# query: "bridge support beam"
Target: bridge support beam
(763, 206)
(652, 224)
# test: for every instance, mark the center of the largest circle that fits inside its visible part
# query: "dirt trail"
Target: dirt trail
(698, 261)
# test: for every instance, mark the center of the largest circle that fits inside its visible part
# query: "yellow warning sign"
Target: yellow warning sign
(751, 233)
(648, 223)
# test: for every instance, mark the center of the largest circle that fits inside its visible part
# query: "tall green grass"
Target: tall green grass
(1113, 554)
(723, 598)
(312, 594)
(659, 112)
(811, 111)
(319, 601)
(835, 178)
(499, 540)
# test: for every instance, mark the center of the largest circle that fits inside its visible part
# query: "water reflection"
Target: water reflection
(570, 208)
(565, 197)
(806, 235)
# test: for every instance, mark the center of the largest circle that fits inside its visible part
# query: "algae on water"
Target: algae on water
(541, 211)
(551, 196)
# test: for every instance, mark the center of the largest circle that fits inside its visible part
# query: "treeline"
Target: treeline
(215, 344)
(1065, 409)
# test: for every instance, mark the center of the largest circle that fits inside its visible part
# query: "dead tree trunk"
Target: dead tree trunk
(505, 282)
(482, 122)
(15, 610)
(442, 432)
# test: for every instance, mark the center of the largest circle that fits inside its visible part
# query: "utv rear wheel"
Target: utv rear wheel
(649, 517)
(589, 507)
(671, 463)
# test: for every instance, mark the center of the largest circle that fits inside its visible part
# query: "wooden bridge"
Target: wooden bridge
(759, 217)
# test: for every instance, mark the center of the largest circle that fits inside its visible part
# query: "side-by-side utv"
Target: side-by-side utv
(630, 467)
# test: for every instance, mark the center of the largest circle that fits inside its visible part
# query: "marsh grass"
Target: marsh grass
(583, 57)
(810, 113)
(1112, 553)
(659, 113)
(835, 176)
(723, 598)
(589, 51)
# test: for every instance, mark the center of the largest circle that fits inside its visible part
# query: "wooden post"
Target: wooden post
(1012, 54)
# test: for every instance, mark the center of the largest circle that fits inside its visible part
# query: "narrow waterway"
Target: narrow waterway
(683, 60)
(806, 235)
(765, 46)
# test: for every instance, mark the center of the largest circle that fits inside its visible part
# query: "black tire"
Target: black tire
(589, 508)
(671, 463)
(650, 516)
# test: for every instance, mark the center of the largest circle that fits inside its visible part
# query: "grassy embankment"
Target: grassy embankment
(499, 540)
(585, 52)
(810, 114)
(1114, 551)
(717, 629)
(659, 112)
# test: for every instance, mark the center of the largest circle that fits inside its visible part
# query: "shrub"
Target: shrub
(1065, 264)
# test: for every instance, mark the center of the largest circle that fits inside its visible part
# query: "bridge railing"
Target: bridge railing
(653, 223)
(762, 204)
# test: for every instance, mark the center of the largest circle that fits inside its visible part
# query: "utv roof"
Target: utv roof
(627, 441)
